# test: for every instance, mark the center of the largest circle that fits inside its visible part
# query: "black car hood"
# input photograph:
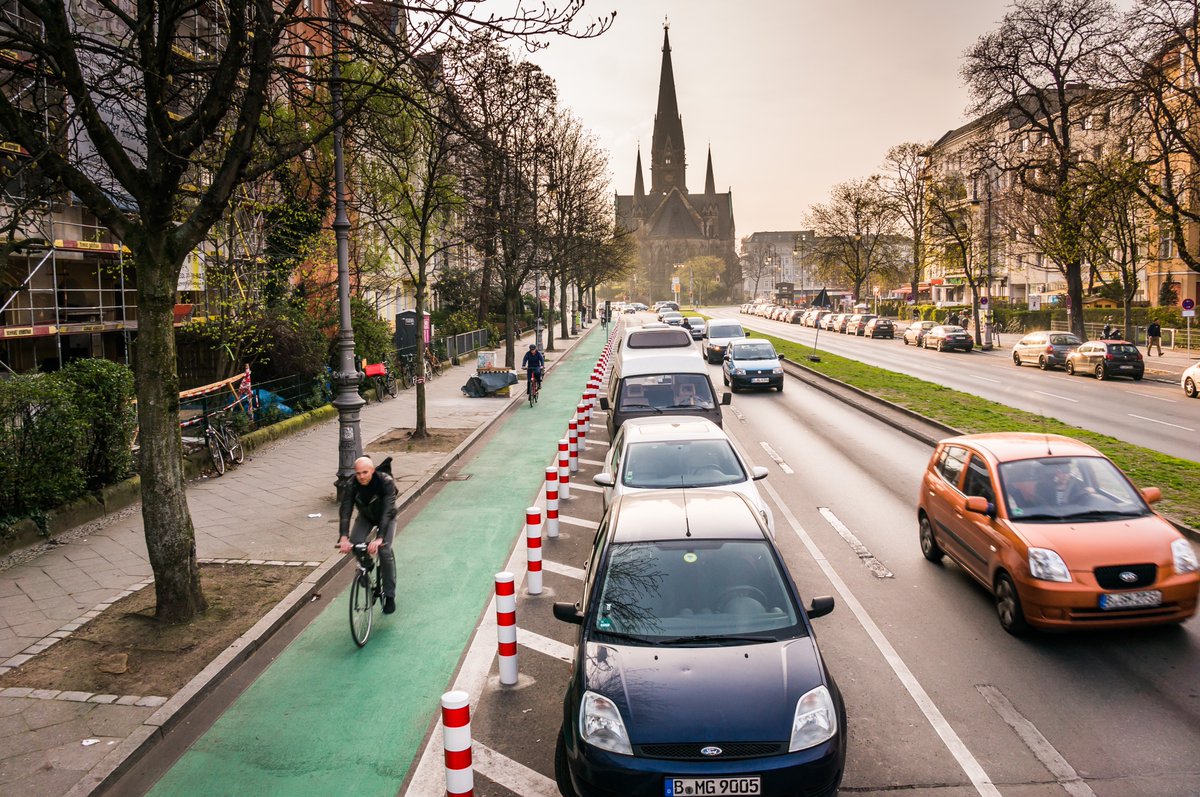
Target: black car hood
(722, 694)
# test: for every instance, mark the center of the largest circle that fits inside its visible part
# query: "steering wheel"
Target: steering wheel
(742, 589)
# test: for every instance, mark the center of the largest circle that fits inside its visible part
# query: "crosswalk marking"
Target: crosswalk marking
(596, 462)
(562, 570)
(515, 777)
(575, 521)
(544, 644)
(588, 488)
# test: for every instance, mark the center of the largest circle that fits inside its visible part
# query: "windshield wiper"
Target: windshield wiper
(619, 635)
(640, 407)
(1101, 514)
(1038, 516)
(702, 405)
(720, 638)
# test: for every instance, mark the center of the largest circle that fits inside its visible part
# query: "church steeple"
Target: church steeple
(639, 187)
(667, 157)
(710, 186)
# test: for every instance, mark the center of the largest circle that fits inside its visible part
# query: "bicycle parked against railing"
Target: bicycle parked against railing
(223, 442)
(365, 592)
(382, 378)
(407, 368)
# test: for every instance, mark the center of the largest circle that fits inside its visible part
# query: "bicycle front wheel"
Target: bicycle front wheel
(234, 447)
(215, 451)
(362, 608)
(389, 384)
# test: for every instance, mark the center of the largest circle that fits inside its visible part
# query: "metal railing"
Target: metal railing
(456, 346)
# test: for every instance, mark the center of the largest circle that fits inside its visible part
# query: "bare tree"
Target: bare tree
(904, 185)
(855, 234)
(957, 234)
(133, 126)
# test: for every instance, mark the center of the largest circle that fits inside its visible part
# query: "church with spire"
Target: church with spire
(669, 224)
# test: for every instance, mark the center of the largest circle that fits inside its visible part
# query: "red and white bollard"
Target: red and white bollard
(573, 444)
(581, 415)
(456, 738)
(564, 471)
(533, 550)
(506, 627)
(581, 427)
(552, 502)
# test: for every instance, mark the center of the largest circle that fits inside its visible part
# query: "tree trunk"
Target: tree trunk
(550, 314)
(562, 308)
(1075, 294)
(170, 538)
(510, 329)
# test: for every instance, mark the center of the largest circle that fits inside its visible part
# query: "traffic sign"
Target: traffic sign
(983, 300)
(1188, 304)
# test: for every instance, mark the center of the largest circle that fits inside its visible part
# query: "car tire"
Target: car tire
(905, 340)
(1070, 368)
(929, 546)
(725, 379)
(1189, 388)
(562, 773)
(1008, 606)
(1016, 359)
(733, 388)
(1138, 377)
(1101, 374)
(940, 347)
(779, 387)
(1042, 364)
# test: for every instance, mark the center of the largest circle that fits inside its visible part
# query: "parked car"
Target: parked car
(857, 325)
(833, 320)
(751, 362)
(697, 325)
(915, 333)
(705, 678)
(818, 319)
(795, 316)
(842, 322)
(944, 337)
(1190, 381)
(1056, 531)
(1107, 358)
(717, 337)
(1046, 349)
(879, 327)
(678, 453)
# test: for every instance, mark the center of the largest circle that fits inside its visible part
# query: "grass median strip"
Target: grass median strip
(1178, 478)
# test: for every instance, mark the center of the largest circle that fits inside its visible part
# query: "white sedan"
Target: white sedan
(678, 453)
(1191, 381)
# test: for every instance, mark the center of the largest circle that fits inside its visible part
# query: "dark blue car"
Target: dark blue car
(696, 671)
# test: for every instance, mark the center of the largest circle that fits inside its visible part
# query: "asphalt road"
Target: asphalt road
(1149, 413)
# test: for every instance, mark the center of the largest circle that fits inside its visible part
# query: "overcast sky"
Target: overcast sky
(794, 96)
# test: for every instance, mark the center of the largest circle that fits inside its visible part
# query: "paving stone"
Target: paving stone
(103, 699)
(18, 660)
(15, 691)
(152, 701)
(116, 721)
(12, 725)
(78, 697)
(44, 694)
(128, 700)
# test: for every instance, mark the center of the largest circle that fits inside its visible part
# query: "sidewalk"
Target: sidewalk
(51, 590)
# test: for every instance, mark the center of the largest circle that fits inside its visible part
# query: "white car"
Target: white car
(678, 453)
(1191, 381)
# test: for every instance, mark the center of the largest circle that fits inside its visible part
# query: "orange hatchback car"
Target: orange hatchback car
(1057, 532)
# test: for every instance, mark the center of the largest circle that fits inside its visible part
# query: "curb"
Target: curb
(916, 434)
(144, 738)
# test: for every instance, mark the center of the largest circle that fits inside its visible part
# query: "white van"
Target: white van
(716, 338)
(655, 382)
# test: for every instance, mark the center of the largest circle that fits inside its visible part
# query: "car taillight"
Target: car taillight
(1139, 356)
(1108, 355)
(1049, 350)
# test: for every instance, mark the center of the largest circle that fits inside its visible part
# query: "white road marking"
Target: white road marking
(778, 459)
(737, 413)
(874, 565)
(1055, 395)
(598, 442)
(1038, 744)
(1147, 395)
(574, 521)
(986, 378)
(561, 569)
(1164, 423)
(587, 488)
(544, 644)
(583, 461)
(515, 777)
(979, 778)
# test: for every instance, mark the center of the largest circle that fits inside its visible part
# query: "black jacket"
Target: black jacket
(376, 501)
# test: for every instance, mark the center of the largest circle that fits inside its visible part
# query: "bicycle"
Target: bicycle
(534, 386)
(433, 364)
(364, 594)
(408, 369)
(382, 378)
(223, 442)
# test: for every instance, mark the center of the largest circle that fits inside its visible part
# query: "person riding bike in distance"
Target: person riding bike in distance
(534, 362)
(374, 493)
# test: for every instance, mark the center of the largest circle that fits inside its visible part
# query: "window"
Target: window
(1165, 245)
(950, 463)
(979, 481)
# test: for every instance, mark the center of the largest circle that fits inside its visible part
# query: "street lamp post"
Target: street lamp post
(347, 378)
(987, 343)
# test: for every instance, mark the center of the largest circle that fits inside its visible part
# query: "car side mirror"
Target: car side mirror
(603, 403)
(603, 480)
(980, 505)
(726, 399)
(759, 472)
(820, 607)
(568, 613)
(1152, 494)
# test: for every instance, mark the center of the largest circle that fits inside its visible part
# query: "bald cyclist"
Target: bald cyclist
(374, 493)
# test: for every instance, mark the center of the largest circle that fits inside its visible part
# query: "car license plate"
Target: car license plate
(675, 787)
(1131, 600)
(756, 380)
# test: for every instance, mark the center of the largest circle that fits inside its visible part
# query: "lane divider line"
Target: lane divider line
(563, 570)
(1055, 395)
(966, 760)
(778, 459)
(513, 776)
(1038, 744)
(544, 644)
(1147, 395)
(874, 565)
(1164, 423)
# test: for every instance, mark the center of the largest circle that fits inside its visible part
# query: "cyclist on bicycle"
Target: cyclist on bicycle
(374, 493)
(533, 363)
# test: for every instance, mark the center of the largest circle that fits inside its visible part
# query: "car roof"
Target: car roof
(656, 515)
(666, 428)
(1011, 446)
(739, 341)
(663, 337)
(638, 362)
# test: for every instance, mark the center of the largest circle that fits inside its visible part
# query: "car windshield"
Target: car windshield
(696, 592)
(754, 351)
(686, 463)
(665, 391)
(726, 331)
(1074, 489)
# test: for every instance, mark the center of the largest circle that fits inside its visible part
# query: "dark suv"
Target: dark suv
(880, 328)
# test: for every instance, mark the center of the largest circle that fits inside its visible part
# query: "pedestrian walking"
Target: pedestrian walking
(1153, 338)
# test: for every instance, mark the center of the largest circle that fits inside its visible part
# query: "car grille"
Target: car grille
(1110, 577)
(686, 751)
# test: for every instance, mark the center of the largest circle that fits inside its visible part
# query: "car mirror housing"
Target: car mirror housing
(726, 399)
(759, 472)
(603, 480)
(979, 505)
(603, 403)
(820, 607)
(1152, 494)
(568, 613)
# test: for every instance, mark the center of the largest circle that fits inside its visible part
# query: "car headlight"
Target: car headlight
(738, 371)
(1184, 556)
(815, 721)
(1047, 565)
(777, 371)
(600, 724)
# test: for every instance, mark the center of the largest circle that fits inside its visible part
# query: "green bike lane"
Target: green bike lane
(329, 718)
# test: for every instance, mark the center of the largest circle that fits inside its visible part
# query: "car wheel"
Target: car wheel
(1042, 363)
(1101, 374)
(779, 387)
(562, 775)
(929, 547)
(725, 379)
(1138, 377)
(1016, 359)
(1008, 606)
(940, 346)
(905, 339)
(733, 388)
(1070, 368)
(1189, 388)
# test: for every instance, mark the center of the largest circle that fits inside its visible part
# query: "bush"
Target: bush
(42, 443)
(103, 393)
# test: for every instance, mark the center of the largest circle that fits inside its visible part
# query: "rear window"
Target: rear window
(659, 339)
(726, 331)
(1123, 348)
(1064, 340)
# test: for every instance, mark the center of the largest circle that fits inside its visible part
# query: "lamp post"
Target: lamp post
(987, 291)
(347, 378)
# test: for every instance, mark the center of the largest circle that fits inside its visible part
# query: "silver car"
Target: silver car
(1045, 349)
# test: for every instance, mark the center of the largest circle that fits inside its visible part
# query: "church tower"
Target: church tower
(668, 160)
